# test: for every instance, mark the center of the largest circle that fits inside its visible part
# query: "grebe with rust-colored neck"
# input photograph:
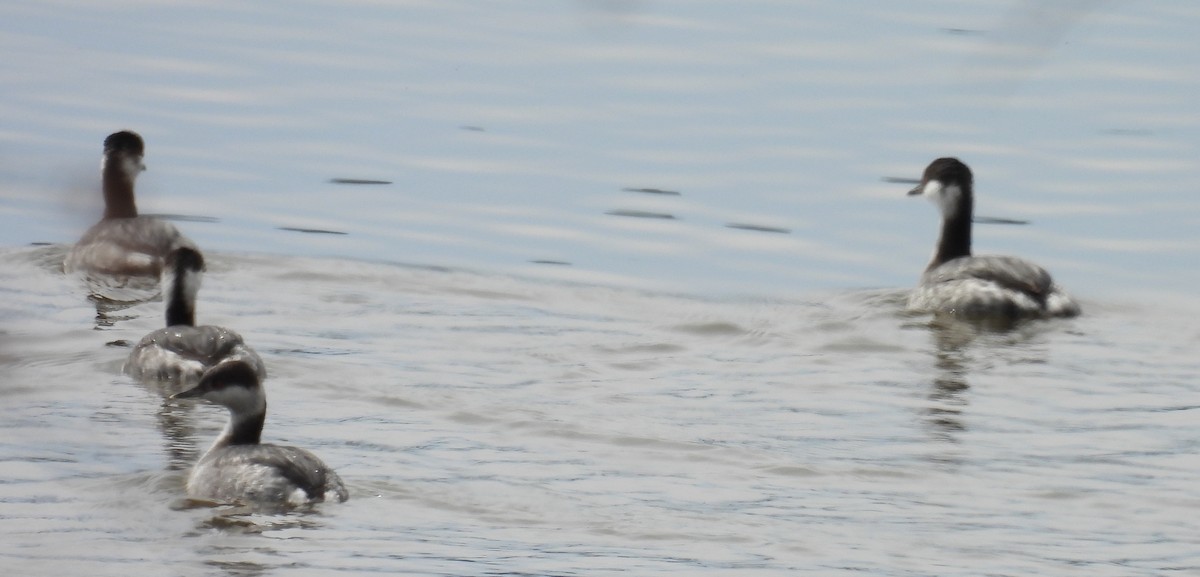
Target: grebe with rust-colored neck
(121, 257)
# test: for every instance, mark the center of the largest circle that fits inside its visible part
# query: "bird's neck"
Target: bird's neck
(955, 238)
(118, 191)
(179, 291)
(242, 430)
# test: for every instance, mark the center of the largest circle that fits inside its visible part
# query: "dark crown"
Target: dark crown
(124, 141)
(232, 373)
(185, 258)
(948, 170)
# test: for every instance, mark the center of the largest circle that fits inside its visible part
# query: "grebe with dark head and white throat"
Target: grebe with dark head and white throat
(177, 355)
(956, 282)
(238, 468)
(121, 257)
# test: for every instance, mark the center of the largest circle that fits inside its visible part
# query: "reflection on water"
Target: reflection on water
(640, 214)
(175, 422)
(358, 181)
(311, 230)
(954, 341)
(577, 426)
(653, 191)
(947, 393)
(758, 227)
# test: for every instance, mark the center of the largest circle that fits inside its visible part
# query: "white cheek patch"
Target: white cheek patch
(951, 195)
(946, 197)
(131, 167)
(237, 398)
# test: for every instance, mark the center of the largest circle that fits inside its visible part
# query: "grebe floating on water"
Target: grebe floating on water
(958, 283)
(237, 468)
(123, 252)
(177, 355)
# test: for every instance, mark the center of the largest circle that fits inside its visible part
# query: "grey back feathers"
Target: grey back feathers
(179, 354)
(956, 282)
(122, 256)
(238, 468)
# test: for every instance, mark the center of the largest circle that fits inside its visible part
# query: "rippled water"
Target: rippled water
(489, 424)
(629, 298)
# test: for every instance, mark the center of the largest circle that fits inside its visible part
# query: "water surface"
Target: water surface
(613, 287)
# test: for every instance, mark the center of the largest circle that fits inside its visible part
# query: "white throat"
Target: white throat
(129, 166)
(242, 402)
(946, 197)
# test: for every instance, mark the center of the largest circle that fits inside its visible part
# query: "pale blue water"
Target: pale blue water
(659, 395)
(1077, 116)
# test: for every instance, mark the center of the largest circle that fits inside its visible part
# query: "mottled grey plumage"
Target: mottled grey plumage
(134, 246)
(177, 356)
(958, 283)
(264, 474)
(237, 468)
(991, 285)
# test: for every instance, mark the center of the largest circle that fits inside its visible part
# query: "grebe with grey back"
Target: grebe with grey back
(959, 283)
(177, 355)
(240, 469)
(121, 257)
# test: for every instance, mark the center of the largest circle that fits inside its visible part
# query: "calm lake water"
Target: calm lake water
(630, 298)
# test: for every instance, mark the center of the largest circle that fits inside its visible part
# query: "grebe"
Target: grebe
(977, 286)
(177, 355)
(121, 257)
(237, 468)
